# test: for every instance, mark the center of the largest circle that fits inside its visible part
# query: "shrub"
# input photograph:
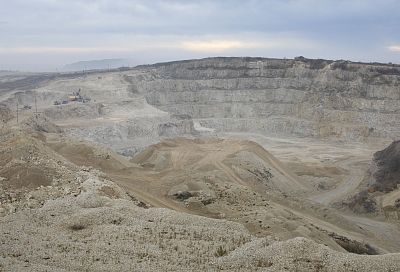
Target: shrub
(77, 226)
(221, 251)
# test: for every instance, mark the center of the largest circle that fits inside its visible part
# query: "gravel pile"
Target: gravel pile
(94, 231)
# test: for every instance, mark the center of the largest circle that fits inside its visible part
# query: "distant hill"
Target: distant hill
(97, 64)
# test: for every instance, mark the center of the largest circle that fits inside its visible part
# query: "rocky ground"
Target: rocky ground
(92, 232)
(379, 189)
(210, 165)
(84, 216)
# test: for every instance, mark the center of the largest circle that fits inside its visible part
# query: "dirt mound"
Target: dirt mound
(91, 232)
(20, 176)
(208, 176)
(71, 205)
(97, 204)
(235, 161)
(232, 179)
(83, 154)
(27, 165)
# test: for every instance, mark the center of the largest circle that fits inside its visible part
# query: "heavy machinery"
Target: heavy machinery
(75, 97)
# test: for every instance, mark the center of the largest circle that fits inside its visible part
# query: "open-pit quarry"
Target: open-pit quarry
(218, 164)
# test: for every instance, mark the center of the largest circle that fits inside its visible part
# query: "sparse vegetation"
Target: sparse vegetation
(77, 226)
(198, 203)
(264, 263)
(221, 251)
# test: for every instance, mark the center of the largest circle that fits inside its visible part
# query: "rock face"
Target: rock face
(303, 97)
(293, 97)
(387, 176)
(94, 224)
(71, 204)
(383, 177)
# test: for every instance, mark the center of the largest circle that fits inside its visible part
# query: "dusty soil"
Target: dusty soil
(108, 210)
(209, 201)
(236, 183)
(95, 233)
(229, 179)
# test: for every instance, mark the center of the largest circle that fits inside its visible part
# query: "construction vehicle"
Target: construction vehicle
(75, 97)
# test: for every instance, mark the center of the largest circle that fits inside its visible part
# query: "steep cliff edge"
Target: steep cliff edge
(304, 97)
(380, 187)
(387, 177)
(82, 202)
(294, 97)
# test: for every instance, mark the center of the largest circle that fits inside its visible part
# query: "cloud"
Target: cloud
(394, 48)
(249, 41)
(60, 50)
(205, 44)
(215, 45)
(80, 50)
(73, 29)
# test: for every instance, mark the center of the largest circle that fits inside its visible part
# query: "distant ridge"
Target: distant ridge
(244, 58)
(96, 64)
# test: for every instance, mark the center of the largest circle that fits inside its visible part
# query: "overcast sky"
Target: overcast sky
(46, 34)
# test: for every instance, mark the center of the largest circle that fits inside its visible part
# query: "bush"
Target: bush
(77, 226)
(221, 251)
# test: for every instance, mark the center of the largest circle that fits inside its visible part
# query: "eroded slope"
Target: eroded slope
(380, 188)
(299, 97)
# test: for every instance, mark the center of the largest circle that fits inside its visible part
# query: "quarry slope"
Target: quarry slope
(236, 180)
(313, 98)
(379, 189)
(78, 234)
(133, 108)
(212, 164)
(95, 206)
